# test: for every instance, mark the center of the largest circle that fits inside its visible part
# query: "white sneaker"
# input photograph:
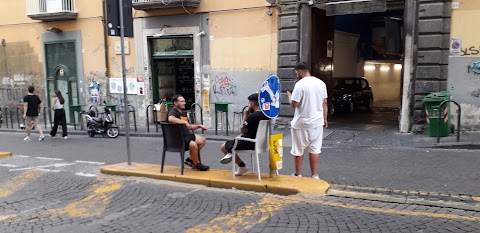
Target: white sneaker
(316, 177)
(65, 138)
(293, 174)
(41, 137)
(27, 138)
(226, 159)
(241, 170)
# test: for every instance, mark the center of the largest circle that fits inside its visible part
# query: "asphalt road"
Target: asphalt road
(430, 170)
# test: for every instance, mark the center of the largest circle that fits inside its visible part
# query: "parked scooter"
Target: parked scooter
(97, 125)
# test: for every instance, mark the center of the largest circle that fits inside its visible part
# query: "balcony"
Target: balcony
(51, 10)
(146, 5)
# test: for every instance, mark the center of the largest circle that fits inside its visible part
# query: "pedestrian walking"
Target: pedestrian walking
(31, 111)
(193, 142)
(253, 116)
(309, 99)
(59, 116)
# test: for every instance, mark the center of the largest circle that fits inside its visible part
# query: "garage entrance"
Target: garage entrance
(357, 50)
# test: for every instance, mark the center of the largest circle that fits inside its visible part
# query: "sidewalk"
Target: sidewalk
(359, 135)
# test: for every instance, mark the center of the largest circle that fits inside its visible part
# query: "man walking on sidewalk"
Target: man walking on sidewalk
(31, 111)
(309, 99)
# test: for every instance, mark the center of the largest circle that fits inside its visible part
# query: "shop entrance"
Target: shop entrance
(62, 75)
(173, 68)
(363, 69)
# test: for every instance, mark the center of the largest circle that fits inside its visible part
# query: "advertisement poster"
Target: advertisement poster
(276, 151)
(94, 90)
(141, 88)
(115, 85)
(132, 86)
(206, 98)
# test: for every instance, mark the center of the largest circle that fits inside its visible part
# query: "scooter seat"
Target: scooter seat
(97, 119)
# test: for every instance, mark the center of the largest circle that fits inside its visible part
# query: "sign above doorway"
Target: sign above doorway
(346, 7)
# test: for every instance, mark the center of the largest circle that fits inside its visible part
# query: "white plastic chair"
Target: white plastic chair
(261, 145)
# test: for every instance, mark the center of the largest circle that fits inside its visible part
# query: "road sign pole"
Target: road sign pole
(125, 88)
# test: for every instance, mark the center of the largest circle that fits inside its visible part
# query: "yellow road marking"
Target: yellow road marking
(476, 198)
(93, 205)
(4, 217)
(399, 212)
(18, 182)
(246, 217)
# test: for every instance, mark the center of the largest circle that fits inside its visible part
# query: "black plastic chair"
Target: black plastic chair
(173, 141)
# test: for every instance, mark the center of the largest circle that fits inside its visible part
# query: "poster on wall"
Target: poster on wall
(141, 88)
(94, 89)
(115, 85)
(132, 86)
(206, 98)
(455, 47)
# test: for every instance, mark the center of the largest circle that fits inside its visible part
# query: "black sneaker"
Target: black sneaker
(189, 162)
(202, 167)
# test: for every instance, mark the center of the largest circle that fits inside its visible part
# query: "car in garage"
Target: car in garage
(351, 94)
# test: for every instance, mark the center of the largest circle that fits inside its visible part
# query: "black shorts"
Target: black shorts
(188, 138)
(242, 145)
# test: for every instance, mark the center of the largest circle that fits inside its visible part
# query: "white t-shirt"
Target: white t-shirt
(309, 92)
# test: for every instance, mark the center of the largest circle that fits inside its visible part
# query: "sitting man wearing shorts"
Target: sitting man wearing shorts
(194, 143)
(249, 130)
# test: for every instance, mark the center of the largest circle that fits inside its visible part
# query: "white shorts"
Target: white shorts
(307, 138)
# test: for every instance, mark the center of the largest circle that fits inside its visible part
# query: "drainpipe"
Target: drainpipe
(105, 33)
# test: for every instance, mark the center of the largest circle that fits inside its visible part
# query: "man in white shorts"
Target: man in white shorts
(309, 99)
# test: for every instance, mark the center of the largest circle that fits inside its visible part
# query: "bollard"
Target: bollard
(45, 117)
(441, 114)
(193, 111)
(155, 117)
(148, 122)
(11, 118)
(134, 117)
(18, 117)
(6, 116)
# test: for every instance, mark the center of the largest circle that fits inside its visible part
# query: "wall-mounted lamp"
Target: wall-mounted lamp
(385, 68)
(397, 66)
(54, 29)
(369, 67)
(202, 33)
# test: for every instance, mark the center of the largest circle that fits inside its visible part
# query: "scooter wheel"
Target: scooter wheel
(112, 132)
(91, 131)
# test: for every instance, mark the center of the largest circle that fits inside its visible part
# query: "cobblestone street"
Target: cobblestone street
(38, 194)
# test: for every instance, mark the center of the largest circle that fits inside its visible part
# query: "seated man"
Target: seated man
(193, 142)
(249, 130)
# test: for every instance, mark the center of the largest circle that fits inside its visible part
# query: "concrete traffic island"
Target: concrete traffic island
(282, 184)
(5, 154)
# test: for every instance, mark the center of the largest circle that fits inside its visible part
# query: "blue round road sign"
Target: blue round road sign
(269, 97)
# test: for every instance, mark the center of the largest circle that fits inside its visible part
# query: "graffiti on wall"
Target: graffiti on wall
(118, 67)
(476, 93)
(470, 51)
(474, 67)
(223, 86)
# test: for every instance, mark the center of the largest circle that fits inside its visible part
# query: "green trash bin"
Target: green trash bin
(432, 102)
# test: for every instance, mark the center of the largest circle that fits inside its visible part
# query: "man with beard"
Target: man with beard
(193, 142)
(309, 99)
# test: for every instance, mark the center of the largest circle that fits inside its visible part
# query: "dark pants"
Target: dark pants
(59, 118)
(242, 145)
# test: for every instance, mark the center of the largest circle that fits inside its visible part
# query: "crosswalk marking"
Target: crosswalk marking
(46, 158)
(93, 205)
(7, 165)
(18, 182)
(89, 162)
(246, 217)
(85, 174)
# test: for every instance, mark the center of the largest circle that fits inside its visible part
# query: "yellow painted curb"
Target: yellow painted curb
(5, 154)
(282, 185)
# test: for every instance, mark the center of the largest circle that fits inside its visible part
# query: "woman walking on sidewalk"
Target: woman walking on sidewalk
(59, 117)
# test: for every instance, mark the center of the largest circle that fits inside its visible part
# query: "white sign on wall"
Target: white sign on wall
(455, 47)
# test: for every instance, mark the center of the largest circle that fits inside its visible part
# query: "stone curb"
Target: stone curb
(5, 154)
(404, 197)
(281, 185)
(132, 134)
